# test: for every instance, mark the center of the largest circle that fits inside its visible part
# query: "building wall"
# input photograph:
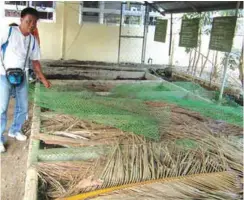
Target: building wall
(66, 38)
(95, 42)
(100, 42)
(51, 35)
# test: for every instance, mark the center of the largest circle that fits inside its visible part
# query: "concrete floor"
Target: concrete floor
(13, 165)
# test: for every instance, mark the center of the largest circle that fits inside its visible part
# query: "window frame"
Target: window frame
(85, 9)
(102, 10)
(12, 7)
(29, 3)
(109, 11)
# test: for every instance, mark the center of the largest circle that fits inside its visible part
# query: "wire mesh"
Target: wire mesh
(126, 107)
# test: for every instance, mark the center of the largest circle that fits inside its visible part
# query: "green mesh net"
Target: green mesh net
(126, 114)
(204, 102)
(126, 108)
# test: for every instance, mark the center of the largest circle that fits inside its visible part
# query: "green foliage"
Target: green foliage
(224, 13)
(234, 58)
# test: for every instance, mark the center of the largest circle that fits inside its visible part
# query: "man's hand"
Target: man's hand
(40, 75)
(46, 83)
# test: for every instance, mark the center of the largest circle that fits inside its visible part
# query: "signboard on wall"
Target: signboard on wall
(222, 34)
(160, 30)
(189, 33)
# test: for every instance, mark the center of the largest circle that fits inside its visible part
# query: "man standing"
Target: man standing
(35, 33)
(18, 45)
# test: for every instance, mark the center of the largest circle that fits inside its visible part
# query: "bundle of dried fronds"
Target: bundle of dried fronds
(227, 148)
(221, 186)
(52, 122)
(65, 130)
(59, 178)
(181, 120)
(221, 139)
(149, 161)
(142, 160)
(135, 163)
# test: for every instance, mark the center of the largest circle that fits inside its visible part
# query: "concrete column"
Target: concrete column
(63, 30)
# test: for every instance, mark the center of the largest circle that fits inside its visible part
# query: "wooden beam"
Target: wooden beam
(31, 182)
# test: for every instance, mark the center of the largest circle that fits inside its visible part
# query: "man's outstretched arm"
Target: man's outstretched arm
(38, 70)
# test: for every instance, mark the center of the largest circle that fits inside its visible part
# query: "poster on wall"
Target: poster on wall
(222, 34)
(160, 30)
(189, 33)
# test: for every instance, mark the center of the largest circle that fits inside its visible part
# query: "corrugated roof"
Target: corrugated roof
(195, 6)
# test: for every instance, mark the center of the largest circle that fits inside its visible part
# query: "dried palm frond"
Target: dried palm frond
(220, 185)
(68, 131)
(67, 177)
(173, 122)
(157, 160)
(141, 162)
(138, 160)
(218, 146)
(181, 121)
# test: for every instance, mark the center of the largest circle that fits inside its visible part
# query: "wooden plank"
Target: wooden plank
(31, 182)
(70, 142)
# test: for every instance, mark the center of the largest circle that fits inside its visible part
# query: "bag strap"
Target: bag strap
(34, 43)
(28, 50)
(4, 47)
